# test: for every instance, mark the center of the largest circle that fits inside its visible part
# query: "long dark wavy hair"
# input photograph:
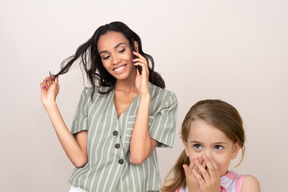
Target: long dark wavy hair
(91, 61)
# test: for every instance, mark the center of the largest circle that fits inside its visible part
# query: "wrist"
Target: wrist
(145, 97)
(50, 105)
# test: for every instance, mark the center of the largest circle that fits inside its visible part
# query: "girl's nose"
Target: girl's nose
(207, 153)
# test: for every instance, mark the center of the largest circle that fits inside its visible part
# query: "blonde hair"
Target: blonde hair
(216, 113)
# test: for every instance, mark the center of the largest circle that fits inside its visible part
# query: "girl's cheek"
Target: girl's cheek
(192, 157)
(190, 160)
(220, 161)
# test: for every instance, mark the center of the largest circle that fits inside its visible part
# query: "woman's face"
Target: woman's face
(116, 55)
(204, 139)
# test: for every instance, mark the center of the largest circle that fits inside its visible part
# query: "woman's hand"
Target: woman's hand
(141, 80)
(141, 144)
(208, 179)
(76, 149)
(49, 90)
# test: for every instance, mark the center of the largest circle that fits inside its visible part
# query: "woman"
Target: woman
(119, 123)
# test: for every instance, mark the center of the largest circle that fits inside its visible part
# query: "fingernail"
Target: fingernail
(46, 81)
(44, 87)
(53, 79)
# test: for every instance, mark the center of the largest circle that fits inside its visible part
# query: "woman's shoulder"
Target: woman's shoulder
(97, 89)
(87, 91)
(158, 91)
(250, 183)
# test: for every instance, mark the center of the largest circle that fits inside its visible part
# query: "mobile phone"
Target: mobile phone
(134, 56)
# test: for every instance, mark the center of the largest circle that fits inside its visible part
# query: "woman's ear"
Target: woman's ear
(236, 149)
(136, 46)
(185, 147)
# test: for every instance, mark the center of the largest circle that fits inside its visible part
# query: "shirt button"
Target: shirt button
(117, 146)
(115, 133)
(121, 161)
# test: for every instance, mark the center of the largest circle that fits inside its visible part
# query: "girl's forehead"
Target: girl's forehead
(202, 131)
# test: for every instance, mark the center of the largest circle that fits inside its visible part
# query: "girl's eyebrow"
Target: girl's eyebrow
(114, 48)
(220, 143)
(195, 141)
(216, 143)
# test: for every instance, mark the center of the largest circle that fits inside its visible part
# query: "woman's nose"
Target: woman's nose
(116, 59)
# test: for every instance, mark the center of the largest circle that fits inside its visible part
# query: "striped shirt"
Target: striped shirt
(231, 182)
(108, 167)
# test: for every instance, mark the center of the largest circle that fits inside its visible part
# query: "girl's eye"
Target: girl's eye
(219, 147)
(197, 146)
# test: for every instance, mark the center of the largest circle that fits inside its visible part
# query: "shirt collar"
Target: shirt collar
(227, 179)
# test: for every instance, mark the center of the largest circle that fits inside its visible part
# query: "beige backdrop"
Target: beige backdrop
(230, 50)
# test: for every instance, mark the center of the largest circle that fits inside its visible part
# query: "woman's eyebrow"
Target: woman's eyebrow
(118, 45)
(114, 48)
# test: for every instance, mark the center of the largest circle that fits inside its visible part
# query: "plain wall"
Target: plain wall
(230, 50)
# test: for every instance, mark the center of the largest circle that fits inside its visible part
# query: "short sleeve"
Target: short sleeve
(81, 118)
(163, 125)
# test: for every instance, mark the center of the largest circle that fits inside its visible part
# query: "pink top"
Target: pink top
(231, 182)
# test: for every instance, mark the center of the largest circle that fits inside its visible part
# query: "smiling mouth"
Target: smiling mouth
(120, 68)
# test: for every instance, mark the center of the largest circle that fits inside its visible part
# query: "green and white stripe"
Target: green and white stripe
(108, 167)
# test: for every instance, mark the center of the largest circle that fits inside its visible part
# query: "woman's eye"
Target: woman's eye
(104, 58)
(219, 147)
(197, 146)
(122, 50)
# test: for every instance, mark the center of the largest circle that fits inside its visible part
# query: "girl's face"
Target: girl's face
(204, 139)
(116, 55)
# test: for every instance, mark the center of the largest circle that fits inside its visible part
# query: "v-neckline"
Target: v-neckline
(114, 107)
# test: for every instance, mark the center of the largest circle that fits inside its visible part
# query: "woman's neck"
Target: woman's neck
(126, 86)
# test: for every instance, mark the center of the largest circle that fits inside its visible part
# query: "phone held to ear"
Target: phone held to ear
(134, 56)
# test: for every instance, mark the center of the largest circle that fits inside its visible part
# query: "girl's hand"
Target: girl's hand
(208, 180)
(141, 81)
(49, 90)
(191, 180)
(201, 161)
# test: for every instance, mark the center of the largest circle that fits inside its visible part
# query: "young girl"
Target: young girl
(212, 133)
(119, 123)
